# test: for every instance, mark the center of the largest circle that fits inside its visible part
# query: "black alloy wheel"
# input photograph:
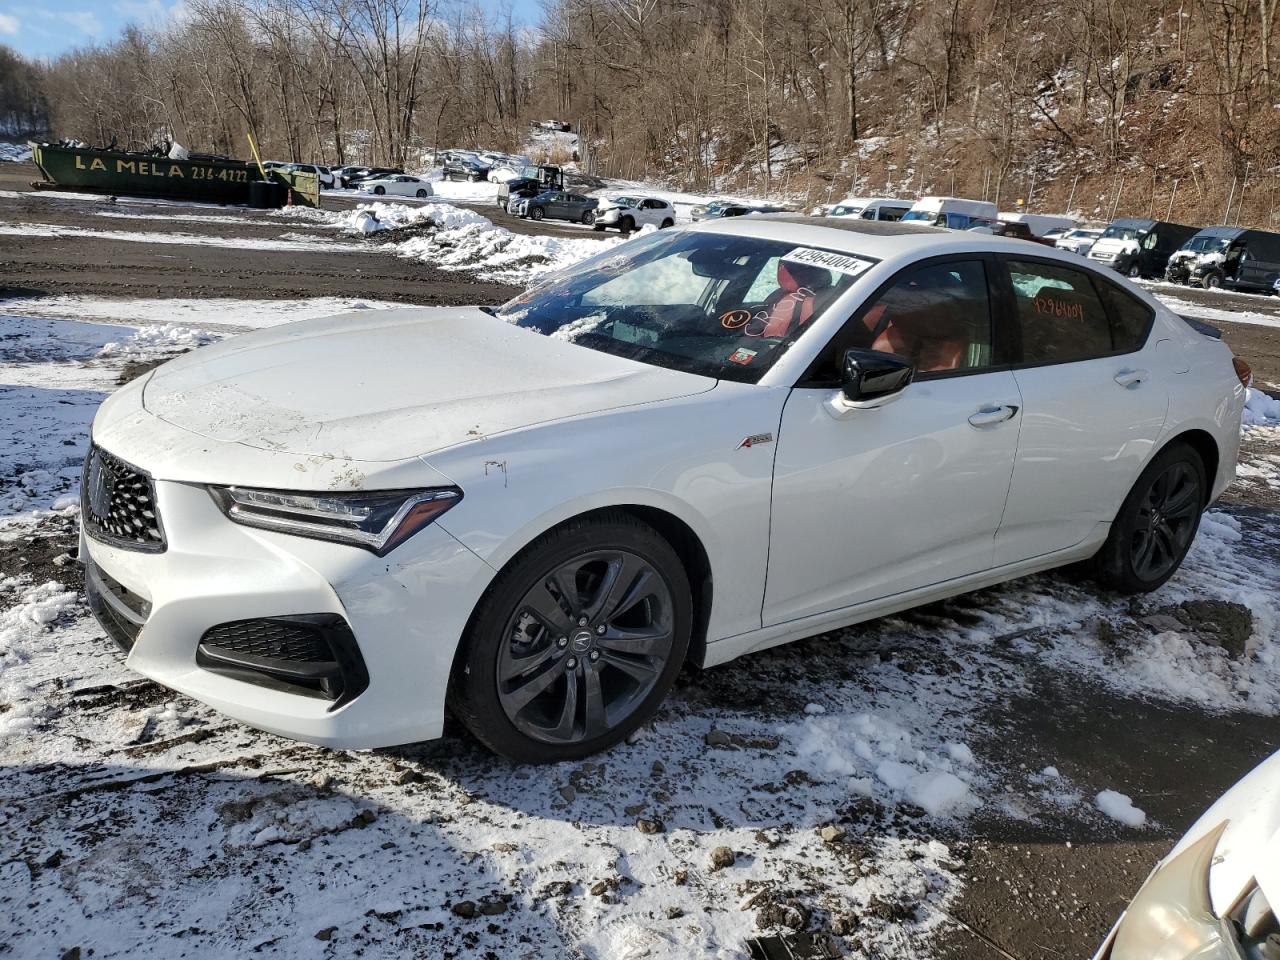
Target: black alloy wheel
(576, 643)
(1156, 524)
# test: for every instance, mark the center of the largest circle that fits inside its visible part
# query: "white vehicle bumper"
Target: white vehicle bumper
(406, 612)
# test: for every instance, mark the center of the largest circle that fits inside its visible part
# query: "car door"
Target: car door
(1095, 395)
(868, 503)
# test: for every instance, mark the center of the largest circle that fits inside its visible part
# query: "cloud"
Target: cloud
(8, 25)
(152, 12)
(86, 21)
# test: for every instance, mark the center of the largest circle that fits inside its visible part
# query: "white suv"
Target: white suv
(629, 213)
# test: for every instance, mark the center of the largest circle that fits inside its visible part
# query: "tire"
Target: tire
(1158, 519)
(537, 213)
(1211, 281)
(551, 724)
(588, 217)
(627, 225)
(598, 227)
(379, 190)
(667, 223)
(421, 194)
(1133, 272)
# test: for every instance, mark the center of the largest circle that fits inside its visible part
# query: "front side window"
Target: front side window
(716, 305)
(1059, 314)
(938, 316)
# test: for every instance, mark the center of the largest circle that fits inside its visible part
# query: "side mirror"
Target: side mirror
(871, 377)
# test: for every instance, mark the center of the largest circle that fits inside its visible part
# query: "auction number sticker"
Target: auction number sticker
(846, 263)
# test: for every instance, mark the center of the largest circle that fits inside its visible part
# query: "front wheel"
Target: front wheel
(576, 643)
(1211, 280)
(379, 190)
(627, 225)
(1156, 524)
(421, 194)
(589, 217)
(537, 213)
(1134, 272)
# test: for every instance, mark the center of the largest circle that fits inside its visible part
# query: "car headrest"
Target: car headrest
(793, 276)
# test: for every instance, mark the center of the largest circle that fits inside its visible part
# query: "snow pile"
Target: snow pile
(16, 152)
(877, 758)
(374, 217)
(1260, 409)
(1119, 807)
(27, 632)
(166, 338)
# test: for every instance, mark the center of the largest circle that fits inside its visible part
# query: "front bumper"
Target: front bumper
(406, 612)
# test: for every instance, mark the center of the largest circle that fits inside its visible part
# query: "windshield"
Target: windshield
(1123, 233)
(715, 305)
(846, 211)
(623, 201)
(1206, 244)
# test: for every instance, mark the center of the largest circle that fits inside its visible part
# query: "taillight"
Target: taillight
(1243, 371)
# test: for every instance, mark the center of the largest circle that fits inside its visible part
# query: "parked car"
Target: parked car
(329, 528)
(627, 213)
(1041, 224)
(1139, 248)
(557, 205)
(1015, 229)
(399, 185)
(742, 210)
(559, 126)
(466, 168)
(1230, 257)
(1078, 240)
(711, 210)
(870, 208)
(1215, 896)
(323, 174)
(954, 213)
(533, 180)
(352, 177)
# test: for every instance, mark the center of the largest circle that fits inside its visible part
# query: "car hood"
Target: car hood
(1111, 245)
(392, 384)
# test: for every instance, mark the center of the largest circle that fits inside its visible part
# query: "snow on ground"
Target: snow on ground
(1201, 312)
(138, 823)
(224, 314)
(286, 243)
(458, 238)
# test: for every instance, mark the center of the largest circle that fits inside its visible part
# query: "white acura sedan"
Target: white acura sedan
(399, 185)
(694, 445)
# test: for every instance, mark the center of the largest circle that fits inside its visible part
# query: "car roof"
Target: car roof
(884, 239)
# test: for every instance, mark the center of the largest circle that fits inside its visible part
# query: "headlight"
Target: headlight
(378, 520)
(1172, 916)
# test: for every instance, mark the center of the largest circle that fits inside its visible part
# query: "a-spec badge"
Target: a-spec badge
(755, 440)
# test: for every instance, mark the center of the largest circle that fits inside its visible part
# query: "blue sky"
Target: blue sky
(49, 27)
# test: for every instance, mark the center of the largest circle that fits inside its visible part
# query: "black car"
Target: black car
(1137, 247)
(532, 181)
(466, 168)
(1230, 257)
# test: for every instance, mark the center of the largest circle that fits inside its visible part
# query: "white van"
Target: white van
(1041, 224)
(870, 208)
(954, 213)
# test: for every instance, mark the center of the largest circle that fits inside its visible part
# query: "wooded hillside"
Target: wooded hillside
(1108, 103)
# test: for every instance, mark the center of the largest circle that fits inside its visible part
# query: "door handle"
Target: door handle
(1131, 378)
(989, 416)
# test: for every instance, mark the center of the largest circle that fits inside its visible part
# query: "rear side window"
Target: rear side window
(1130, 318)
(1060, 316)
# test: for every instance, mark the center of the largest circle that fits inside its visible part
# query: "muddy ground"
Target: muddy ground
(1035, 891)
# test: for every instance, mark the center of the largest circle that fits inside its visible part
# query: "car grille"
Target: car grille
(313, 655)
(118, 504)
(118, 610)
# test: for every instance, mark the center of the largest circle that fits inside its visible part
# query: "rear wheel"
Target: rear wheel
(1156, 524)
(421, 194)
(667, 223)
(1211, 280)
(627, 225)
(379, 190)
(537, 213)
(576, 643)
